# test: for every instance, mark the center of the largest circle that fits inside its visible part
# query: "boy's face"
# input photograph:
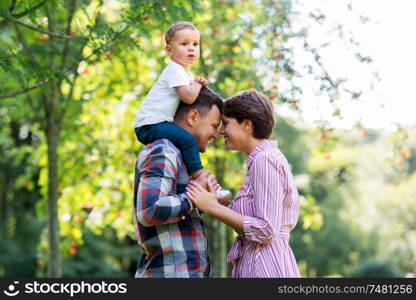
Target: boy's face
(184, 47)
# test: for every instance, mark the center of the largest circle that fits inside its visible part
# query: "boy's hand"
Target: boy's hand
(202, 80)
(200, 197)
(202, 179)
(214, 182)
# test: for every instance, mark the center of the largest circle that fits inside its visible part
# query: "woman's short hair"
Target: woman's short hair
(255, 106)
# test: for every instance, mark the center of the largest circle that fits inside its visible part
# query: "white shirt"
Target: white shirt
(163, 100)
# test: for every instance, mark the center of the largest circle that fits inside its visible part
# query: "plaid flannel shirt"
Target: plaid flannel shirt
(169, 230)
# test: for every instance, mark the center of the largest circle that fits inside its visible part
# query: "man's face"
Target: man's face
(207, 128)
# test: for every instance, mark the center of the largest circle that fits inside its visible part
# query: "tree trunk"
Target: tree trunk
(4, 192)
(222, 230)
(52, 136)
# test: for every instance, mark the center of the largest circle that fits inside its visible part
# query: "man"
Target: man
(169, 230)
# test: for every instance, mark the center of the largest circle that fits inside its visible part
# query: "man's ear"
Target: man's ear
(193, 117)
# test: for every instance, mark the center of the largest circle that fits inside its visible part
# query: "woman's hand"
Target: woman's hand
(201, 198)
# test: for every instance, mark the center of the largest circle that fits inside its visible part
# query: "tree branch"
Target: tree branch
(12, 6)
(29, 97)
(19, 15)
(4, 22)
(51, 29)
(28, 51)
(25, 90)
(30, 55)
(62, 36)
(71, 92)
(71, 12)
(22, 14)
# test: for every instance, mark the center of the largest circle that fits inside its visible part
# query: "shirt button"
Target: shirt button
(183, 217)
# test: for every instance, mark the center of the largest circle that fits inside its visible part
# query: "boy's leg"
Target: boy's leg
(187, 144)
(142, 134)
(182, 139)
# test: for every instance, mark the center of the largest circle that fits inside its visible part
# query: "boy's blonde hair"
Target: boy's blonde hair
(176, 27)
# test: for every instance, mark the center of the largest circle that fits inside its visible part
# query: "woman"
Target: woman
(266, 207)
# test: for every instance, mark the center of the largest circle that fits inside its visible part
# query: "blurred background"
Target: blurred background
(340, 73)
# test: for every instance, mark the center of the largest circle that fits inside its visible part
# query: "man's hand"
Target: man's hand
(202, 179)
(204, 199)
(202, 80)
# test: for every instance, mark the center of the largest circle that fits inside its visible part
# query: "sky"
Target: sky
(388, 37)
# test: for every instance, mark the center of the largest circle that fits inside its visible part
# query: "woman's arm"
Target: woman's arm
(268, 184)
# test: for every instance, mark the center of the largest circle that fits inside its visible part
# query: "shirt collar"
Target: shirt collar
(172, 62)
(266, 144)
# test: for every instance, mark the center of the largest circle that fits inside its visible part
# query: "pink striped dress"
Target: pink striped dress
(269, 201)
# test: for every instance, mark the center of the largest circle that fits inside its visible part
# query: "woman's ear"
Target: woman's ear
(248, 125)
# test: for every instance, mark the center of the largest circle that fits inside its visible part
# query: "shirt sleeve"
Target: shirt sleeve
(267, 182)
(176, 76)
(156, 202)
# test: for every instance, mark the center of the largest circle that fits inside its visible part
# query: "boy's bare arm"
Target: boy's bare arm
(188, 94)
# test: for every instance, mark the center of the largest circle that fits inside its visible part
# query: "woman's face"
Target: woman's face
(235, 136)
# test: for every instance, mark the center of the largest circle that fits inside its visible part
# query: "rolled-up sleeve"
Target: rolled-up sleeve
(267, 182)
(156, 201)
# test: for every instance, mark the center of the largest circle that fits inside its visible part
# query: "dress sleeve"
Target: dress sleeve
(267, 182)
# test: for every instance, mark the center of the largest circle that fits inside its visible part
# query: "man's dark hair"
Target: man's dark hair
(255, 106)
(203, 104)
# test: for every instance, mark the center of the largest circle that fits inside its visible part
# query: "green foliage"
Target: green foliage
(19, 248)
(103, 67)
(20, 226)
(103, 255)
(325, 185)
(292, 144)
(376, 269)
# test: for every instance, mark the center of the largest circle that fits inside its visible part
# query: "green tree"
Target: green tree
(20, 226)
(43, 45)
(74, 72)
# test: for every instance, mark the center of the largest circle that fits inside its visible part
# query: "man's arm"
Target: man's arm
(155, 201)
